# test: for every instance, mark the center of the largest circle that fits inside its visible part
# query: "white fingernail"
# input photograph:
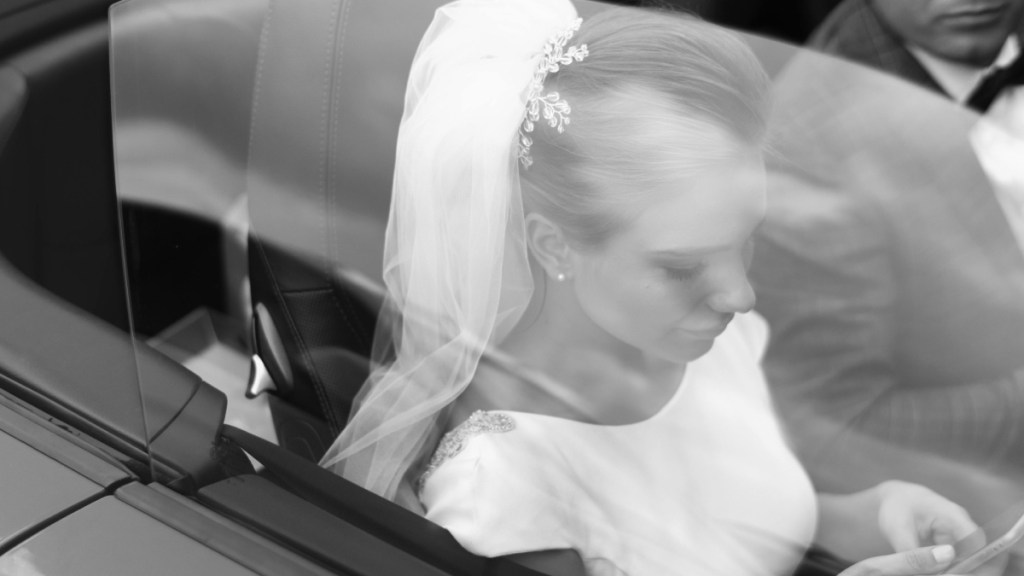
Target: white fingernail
(942, 553)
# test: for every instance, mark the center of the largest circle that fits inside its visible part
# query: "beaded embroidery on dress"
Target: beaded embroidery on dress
(479, 422)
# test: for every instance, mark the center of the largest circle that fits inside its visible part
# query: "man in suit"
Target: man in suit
(944, 45)
(891, 264)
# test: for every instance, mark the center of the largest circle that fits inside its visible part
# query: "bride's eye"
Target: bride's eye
(684, 273)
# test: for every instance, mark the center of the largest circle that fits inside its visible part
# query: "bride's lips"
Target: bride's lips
(708, 333)
(976, 14)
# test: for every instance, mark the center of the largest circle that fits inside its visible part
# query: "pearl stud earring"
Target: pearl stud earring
(560, 277)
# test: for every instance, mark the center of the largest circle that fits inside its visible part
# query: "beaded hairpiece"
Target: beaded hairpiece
(550, 106)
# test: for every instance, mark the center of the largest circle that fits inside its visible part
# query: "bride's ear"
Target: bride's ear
(548, 245)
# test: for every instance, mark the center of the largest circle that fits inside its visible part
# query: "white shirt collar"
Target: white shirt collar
(960, 80)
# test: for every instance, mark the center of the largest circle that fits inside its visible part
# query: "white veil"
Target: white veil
(455, 261)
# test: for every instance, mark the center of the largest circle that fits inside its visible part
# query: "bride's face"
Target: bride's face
(671, 280)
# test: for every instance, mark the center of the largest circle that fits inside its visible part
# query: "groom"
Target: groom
(891, 265)
(954, 47)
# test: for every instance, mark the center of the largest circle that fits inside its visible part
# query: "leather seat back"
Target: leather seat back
(320, 167)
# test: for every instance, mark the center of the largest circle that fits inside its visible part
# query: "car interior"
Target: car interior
(73, 358)
(303, 314)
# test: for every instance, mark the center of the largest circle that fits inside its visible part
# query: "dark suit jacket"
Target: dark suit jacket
(855, 32)
(894, 288)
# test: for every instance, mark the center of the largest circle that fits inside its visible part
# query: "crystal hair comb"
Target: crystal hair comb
(549, 106)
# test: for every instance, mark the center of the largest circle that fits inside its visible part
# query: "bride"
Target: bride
(566, 264)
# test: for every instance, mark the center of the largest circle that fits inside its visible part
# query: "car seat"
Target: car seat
(319, 177)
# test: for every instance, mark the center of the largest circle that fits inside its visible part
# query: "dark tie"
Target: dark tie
(987, 92)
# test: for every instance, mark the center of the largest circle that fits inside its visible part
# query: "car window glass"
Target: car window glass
(182, 76)
(255, 155)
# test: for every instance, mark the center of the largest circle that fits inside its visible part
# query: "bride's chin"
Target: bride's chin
(690, 349)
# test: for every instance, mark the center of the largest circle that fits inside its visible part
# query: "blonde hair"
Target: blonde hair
(647, 72)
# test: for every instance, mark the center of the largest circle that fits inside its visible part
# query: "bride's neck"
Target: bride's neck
(558, 331)
(561, 363)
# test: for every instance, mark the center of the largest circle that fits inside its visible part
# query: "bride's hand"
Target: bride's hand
(916, 562)
(911, 516)
(895, 516)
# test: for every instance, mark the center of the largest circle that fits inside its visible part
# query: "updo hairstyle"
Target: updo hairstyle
(646, 69)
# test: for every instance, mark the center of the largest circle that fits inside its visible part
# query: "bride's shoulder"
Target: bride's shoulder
(487, 486)
(456, 440)
(490, 447)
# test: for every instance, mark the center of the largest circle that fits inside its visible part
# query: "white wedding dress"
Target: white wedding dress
(705, 486)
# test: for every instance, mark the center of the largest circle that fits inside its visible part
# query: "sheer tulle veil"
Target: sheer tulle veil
(455, 261)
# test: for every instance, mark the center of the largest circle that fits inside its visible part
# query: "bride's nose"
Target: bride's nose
(733, 294)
